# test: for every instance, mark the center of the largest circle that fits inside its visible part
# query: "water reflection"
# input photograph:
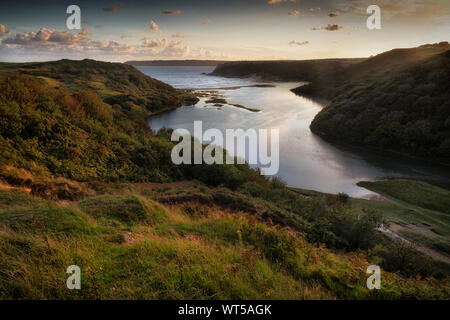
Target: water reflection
(306, 160)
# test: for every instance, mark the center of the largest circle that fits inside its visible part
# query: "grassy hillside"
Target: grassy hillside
(117, 83)
(405, 111)
(130, 246)
(381, 65)
(417, 210)
(56, 122)
(87, 182)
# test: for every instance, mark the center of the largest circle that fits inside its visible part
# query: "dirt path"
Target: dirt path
(434, 254)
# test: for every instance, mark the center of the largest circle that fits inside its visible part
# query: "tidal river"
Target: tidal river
(306, 161)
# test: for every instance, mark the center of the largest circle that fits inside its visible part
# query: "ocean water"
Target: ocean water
(306, 161)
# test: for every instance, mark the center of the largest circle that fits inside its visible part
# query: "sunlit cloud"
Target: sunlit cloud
(206, 22)
(317, 9)
(179, 35)
(48, 37)
(154, 43)
(3, 29)
(334, 14)
(329, 27)
(154, 27)
(294, 13)
(298, 43)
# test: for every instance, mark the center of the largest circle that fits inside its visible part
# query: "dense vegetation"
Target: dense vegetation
(118, 84)
(307, 70)
(417, 210)
(405, 111)
(87, 162)
(150, 242)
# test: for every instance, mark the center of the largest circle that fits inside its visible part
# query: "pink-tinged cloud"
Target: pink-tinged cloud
(179, 35)
(3, 29)
(154, 27)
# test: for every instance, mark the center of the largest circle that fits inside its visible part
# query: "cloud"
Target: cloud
(48, 41)
(298, 43)
(116, 8)
(176, 12)
(109, 46)
(49, 44)
(154, 27)
(334, 14)
(176, 49)
(123, 36)
(98, 26)
(317, 9)
(49, 37)
(294, 13)
(206, 22)
(279, 1)
(179, 35)
(329, 27)
(3, 29)
(156, 43)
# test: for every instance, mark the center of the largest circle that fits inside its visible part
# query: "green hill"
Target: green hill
(85, 181)
(307, 70)
(84, 120)
(403, 108)
(116, 83)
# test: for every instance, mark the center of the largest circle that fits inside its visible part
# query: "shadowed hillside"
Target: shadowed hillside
(405, 109)
(308, 70)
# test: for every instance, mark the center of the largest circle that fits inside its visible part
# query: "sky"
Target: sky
(220, 30)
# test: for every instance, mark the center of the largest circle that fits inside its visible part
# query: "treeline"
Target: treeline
(116, 83)
(307, 70)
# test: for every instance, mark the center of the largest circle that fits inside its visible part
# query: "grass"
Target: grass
(130, 247)
(419, 210)
(418, 193)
